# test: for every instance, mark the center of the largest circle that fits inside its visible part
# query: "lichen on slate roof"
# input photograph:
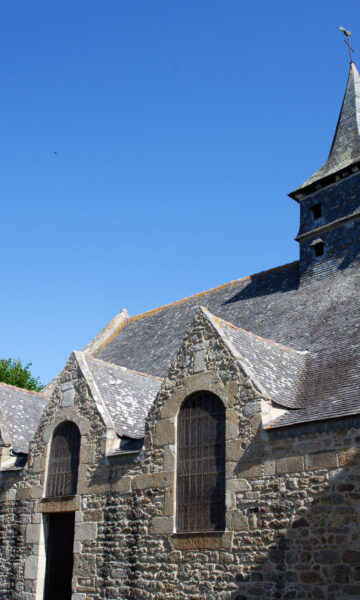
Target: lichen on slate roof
(127, 394)
(278, 369)
(322, 317)
(21, 410)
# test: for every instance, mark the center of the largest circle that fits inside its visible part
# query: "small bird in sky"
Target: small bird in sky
(56, 153)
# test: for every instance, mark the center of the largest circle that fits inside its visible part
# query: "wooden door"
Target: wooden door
(59, 556)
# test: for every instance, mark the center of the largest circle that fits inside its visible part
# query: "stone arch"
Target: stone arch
(63, 463)
(201, 464)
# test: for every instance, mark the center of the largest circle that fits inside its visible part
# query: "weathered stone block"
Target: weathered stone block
(238, 485)
(161, 479)
(37, 492)
(269, 468)
(322, 460)
(99, 487)
(23, 493)
(234, 450)
(169, 458)
(199, 361)
(86, 531)
(202, 541)
(32, 535)
(63, 505)
(290, 464)
(247, 470)
(77, 547)
(230, 500)
(171, 407)
(349, 457)
(123, 484)
(31, 567)
(87, 454)
(236, 521)
(164, 432)
(38, 465)
(169, 502)
(162, 525)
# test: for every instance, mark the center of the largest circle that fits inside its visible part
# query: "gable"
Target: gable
(322, 318)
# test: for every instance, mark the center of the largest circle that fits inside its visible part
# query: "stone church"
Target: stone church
(208, 449)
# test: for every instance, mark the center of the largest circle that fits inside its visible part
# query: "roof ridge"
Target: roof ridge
(104, 362)
(259, 337)
(16, 387)
(197, 295)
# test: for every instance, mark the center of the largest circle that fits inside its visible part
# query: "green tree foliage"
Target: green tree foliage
(14, 373)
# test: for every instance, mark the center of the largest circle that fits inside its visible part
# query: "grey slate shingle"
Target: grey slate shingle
(22, 410)
(345, 148)
(322, 317)
(277, 368)
(319, 412)
(128, 395)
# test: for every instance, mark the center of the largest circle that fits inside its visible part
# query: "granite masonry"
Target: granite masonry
(280, 350)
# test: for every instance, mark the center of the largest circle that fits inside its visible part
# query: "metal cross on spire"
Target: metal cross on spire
(347, 34)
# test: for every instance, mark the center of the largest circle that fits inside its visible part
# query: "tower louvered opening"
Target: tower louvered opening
(64, 461)
(201, 464)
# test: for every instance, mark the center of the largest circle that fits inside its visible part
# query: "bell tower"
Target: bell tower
(329, 234)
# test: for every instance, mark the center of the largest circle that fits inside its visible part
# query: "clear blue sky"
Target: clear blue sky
(179, 127)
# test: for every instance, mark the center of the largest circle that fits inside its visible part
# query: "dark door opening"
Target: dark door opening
(59, 556)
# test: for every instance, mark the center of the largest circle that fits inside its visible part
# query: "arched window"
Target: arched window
(64, 461)
(201, 464)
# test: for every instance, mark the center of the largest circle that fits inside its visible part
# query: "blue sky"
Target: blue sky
(179, 128)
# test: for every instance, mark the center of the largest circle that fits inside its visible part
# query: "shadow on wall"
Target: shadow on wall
(294, 550)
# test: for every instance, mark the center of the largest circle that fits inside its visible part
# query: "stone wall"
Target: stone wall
(292, 496)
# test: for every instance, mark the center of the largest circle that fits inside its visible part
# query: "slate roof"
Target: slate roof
(128, 395)
(318, 412)
(21, 410)
(278, 369)
(345, 148)
(322, 317)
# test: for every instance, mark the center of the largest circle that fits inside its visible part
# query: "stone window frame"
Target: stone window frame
(35, 535)
(70, 459)
(165, 436)
(179, 511)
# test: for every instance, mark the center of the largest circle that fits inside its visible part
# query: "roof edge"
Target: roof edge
(15, 387)
(182, 300)
(100, 404)
(96, 343)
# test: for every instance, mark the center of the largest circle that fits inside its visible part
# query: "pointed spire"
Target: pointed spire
(345, 148)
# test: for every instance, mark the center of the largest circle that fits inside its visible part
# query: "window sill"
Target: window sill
(201, 540)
